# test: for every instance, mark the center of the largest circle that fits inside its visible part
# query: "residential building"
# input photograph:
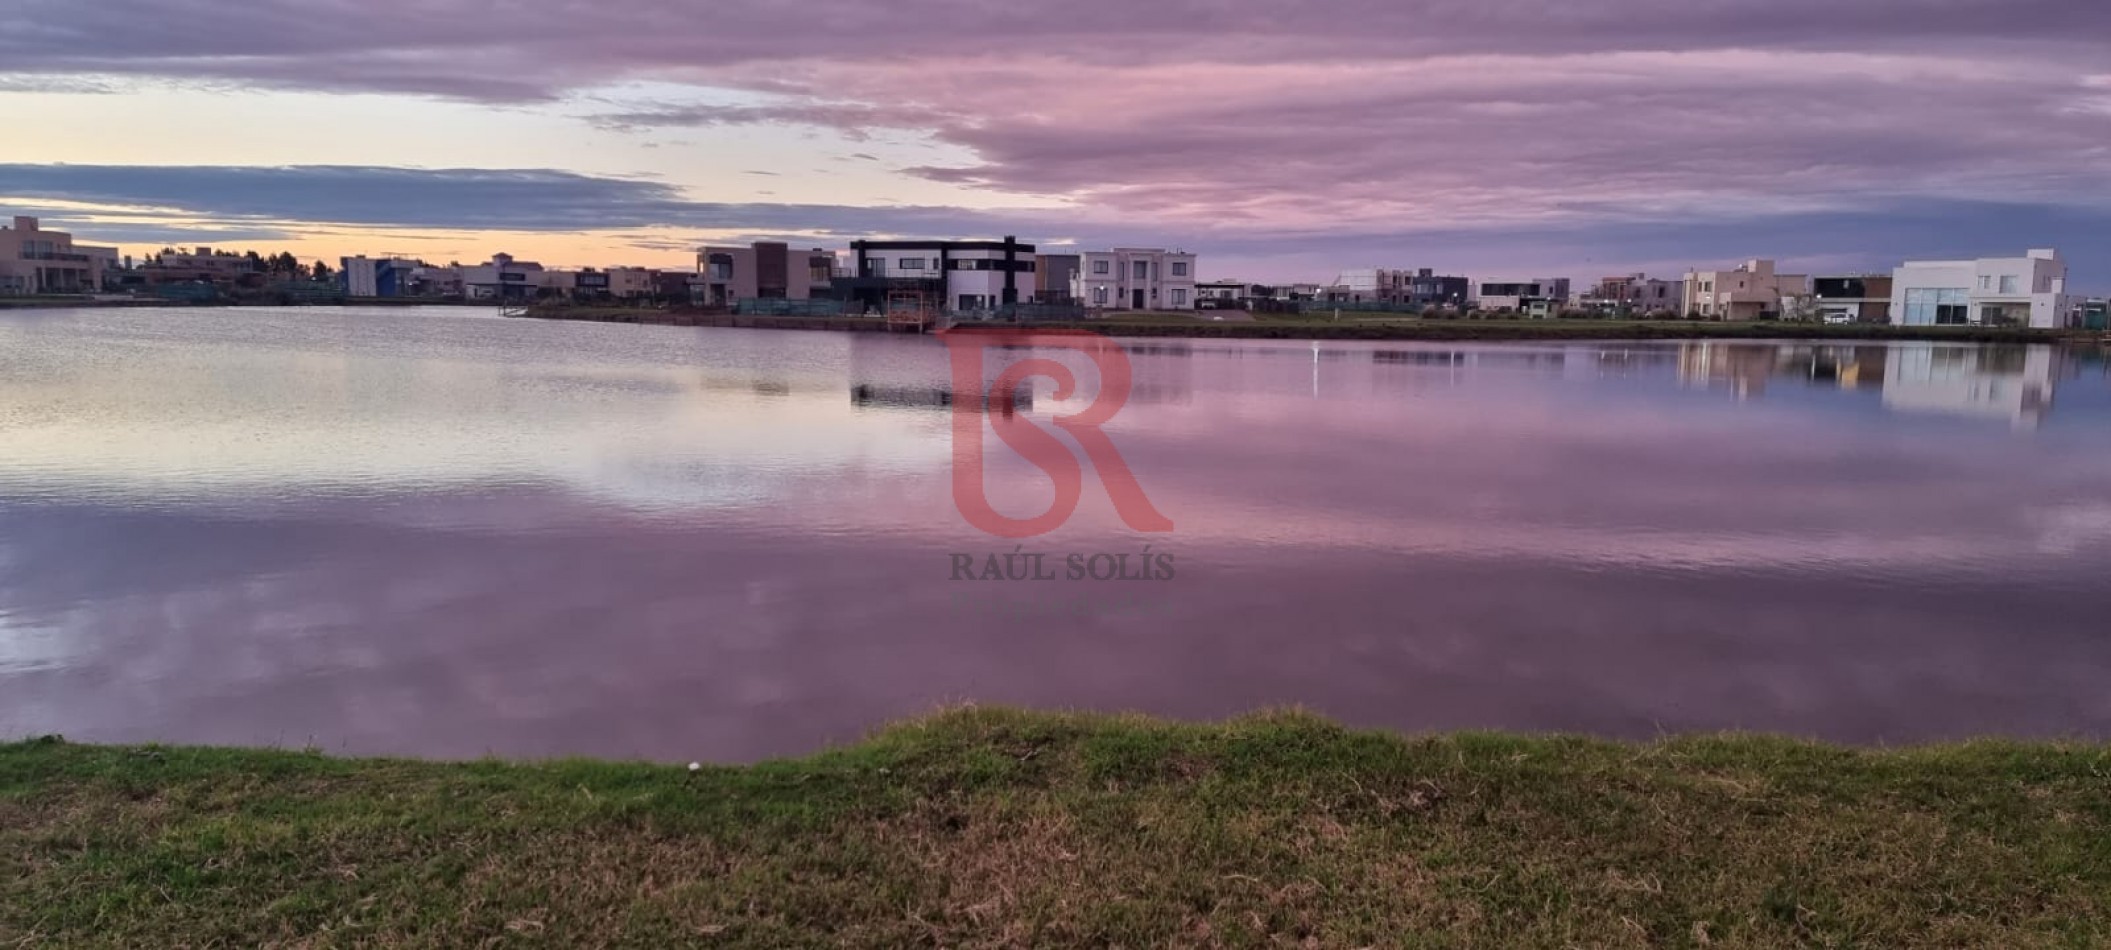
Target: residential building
(2093, 314)
(1635, 294)
(1753, 291)
(1859, 298)
(363, 276)
(1054, 276)
(590, 284)
(1427, 288)
(1539, 297)
(503, 278)
(633, 283)
(1408, 289)
(1136, 279)
(436, 281)
(678, 285)
(1369, 285)
(1228, 294)
(764, 270)
(36, 261)
(203, 265)
(952, 275)
(552, 282)
(1997, 291)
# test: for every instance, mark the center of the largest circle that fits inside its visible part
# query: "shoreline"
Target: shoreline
(1175, 326)
(1405, 329)
(994, 826)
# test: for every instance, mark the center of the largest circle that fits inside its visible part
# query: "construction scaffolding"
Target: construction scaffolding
(911, 311)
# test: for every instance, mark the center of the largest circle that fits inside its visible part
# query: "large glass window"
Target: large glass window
(1937, 306)
(1100, 267)
(1141, 270)
(1180, 268)
(2008, 284)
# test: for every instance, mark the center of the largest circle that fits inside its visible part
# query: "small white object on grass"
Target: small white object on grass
(696, 766)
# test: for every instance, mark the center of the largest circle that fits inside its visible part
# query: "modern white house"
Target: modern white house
(1136, 279)
(502, 279)
(962, 275)
(1752, 291)
(1993, 291)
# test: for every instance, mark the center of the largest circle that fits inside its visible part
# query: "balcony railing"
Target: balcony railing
(55, 256)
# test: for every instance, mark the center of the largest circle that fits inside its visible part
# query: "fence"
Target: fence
(778, 307)
(1360, 306)
(1024, 313)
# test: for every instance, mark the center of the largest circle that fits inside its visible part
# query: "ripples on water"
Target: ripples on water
(444, 534)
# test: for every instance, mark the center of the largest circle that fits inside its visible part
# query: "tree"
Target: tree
(320, 271)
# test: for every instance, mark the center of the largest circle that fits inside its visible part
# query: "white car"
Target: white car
(1838, 318)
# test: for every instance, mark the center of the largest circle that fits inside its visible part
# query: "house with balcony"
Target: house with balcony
(2027, 291)
(36, 261)
(1755, 290)
(1136, 279)
(958, 276)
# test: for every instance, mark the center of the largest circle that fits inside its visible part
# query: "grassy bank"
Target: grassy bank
(998, 828)
(1318, 327)
(1363, 327)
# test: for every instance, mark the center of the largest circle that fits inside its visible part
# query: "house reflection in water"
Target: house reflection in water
(2015, 383)
(1992, 382)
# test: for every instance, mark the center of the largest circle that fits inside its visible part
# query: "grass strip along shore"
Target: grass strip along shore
(1363, 327)
(990, 827)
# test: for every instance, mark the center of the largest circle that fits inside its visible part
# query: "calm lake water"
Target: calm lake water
(446, 534)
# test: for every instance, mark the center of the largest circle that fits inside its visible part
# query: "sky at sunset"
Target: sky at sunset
(1283, 141)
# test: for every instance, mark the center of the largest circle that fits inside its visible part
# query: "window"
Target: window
(878, 266)
(721, 268)
(1141, 270)
(1986, 282)
(1179, 296)
(1099, 296)
(1180, 268)
(912, 263)
(1100, 267)
(1937, 306)
(2008, 283)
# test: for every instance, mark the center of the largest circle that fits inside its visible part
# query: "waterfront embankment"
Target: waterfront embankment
(1376, 329)
(986, 827)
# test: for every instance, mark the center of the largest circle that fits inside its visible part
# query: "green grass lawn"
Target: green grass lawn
(984, 827)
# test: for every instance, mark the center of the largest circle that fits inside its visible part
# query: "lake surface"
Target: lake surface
(446, 534)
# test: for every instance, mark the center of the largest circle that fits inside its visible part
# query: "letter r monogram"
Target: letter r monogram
(971, 404)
